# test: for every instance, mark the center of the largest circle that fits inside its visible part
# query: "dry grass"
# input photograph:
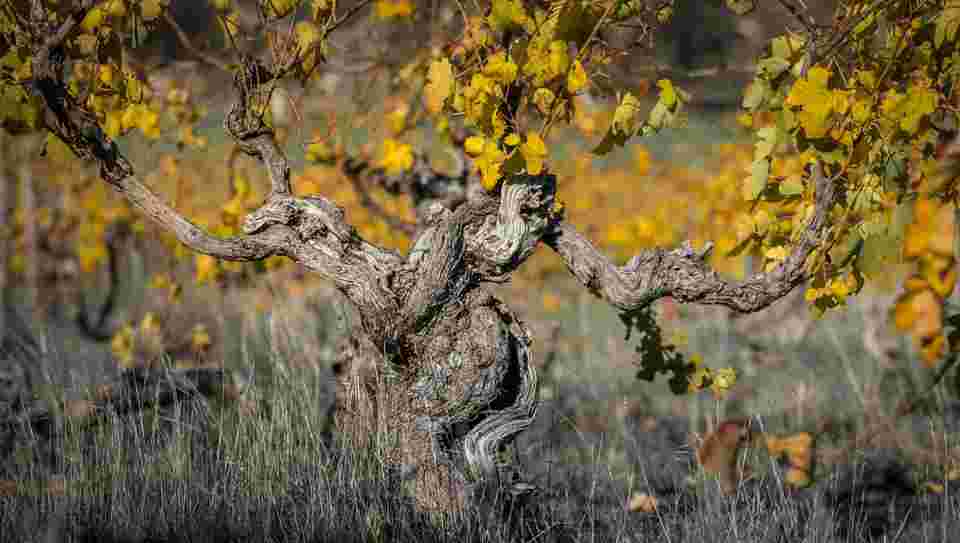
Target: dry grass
(206, 471)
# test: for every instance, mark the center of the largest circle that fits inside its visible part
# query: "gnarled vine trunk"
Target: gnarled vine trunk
(435, 366)
(453, 385)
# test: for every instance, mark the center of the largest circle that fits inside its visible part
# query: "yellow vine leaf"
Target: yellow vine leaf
(501, 69)
(577, 78)
(439, 85)
(308, 35)
(489, 162)
(723, 380)
(558, 59)
(506, 13)
(207, 269)
(397, 157)
(388, 9)
(534, 150)
(93, 19)
(151, 9)
(543, 98)
(815, 101)
(199, 338)
(474, 145)
(121, 345)
(625, 116)
(668, 95)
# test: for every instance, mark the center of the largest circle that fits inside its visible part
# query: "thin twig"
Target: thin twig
(346, 17)
(186, 42)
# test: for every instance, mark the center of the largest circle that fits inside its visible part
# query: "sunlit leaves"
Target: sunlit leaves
(919, 309)
(94, 18)
(740, 7)
(278, 8)
(624, 125)
(500, 68)
(151, 9)
(534, 151)
(474, 145)
(206, 269)
(798, 450)
(666, 112)
(505, 14)
(122, 346)
(812, 96)
(309, 40)
(577, 78)
(397, 157)
(488, 159)
(221, 5)
(910, 108)
(439, 85)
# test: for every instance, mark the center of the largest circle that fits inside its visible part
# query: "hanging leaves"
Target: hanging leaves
(439, 85)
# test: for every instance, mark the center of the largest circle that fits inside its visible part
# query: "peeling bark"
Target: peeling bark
(683, 273)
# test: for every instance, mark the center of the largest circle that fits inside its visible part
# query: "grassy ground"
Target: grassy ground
(204, 472)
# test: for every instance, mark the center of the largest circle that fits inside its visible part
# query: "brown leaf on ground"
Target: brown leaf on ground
(642, 503)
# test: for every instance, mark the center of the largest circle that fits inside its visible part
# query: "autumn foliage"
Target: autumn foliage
(869, 105)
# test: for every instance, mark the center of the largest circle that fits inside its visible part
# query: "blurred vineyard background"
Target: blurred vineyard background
(105, 289)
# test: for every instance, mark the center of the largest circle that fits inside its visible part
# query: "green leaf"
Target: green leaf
(759, 171)
(786, 47)
(792, 186)
(768, 133)
(609, 141)
(740, 7)
(772, 67)
(660, 115)
(755, 93)
(766, 142)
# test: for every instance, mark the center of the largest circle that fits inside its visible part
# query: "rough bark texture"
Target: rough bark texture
(435, 365)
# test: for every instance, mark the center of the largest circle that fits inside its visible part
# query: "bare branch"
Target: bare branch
(683, 273)
(312, 230)
(188, 43)
(80, 131)
(346, 17)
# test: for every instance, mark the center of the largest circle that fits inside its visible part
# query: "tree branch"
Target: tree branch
(683, 273)
(186, 42)
(310, 230)
(80, 131)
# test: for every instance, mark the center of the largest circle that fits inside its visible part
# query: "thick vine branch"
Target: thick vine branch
(312, 231)
(683, 273)
(79, 130)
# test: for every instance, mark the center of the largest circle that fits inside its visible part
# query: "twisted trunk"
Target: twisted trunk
(436, 368)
